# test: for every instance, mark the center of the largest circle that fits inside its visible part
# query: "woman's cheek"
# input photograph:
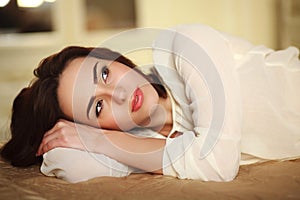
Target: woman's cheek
(108, 123)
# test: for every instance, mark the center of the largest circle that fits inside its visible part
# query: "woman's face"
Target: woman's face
(106, 94)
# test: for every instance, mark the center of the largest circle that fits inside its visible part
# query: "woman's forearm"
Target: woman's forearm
(143, 153)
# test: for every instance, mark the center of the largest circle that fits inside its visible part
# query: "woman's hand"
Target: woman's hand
(140, 152)
(67, 134)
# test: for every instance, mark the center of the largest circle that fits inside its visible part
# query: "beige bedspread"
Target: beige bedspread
(270, 180)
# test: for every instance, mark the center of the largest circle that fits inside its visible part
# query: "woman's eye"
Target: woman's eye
(99, 105)
(104, 73)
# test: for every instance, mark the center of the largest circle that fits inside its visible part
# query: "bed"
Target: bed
(269, 180)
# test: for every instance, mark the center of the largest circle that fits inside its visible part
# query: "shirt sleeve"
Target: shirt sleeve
(211, 151)
(74, 165)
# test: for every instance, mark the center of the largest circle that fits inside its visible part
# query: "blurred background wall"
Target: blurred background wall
(29, 33)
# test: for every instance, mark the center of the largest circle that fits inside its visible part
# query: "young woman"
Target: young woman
(211, 103)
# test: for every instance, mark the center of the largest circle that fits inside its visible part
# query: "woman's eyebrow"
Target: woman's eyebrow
(95, 75)
(90, 104)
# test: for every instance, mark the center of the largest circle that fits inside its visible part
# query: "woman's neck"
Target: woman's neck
(162, 119)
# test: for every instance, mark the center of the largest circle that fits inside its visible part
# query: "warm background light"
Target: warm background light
(3, 3)
(29, 3)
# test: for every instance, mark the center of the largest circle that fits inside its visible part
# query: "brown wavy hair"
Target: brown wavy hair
(36, 109)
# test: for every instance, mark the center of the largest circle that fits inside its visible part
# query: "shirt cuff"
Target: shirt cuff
(174, 154)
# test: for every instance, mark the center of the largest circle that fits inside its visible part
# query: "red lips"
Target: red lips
(137, 100)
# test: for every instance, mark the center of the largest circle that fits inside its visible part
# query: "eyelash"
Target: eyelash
(104, 73)
(104, 76)
(99, 106)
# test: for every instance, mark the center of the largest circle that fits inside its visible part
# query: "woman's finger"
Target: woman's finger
(51, 145)
(48, 143)
(52, 134)
(62, 135)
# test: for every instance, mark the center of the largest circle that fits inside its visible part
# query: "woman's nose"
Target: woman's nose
(119, 95)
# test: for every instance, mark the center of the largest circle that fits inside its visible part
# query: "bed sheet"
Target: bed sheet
(270, 180)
